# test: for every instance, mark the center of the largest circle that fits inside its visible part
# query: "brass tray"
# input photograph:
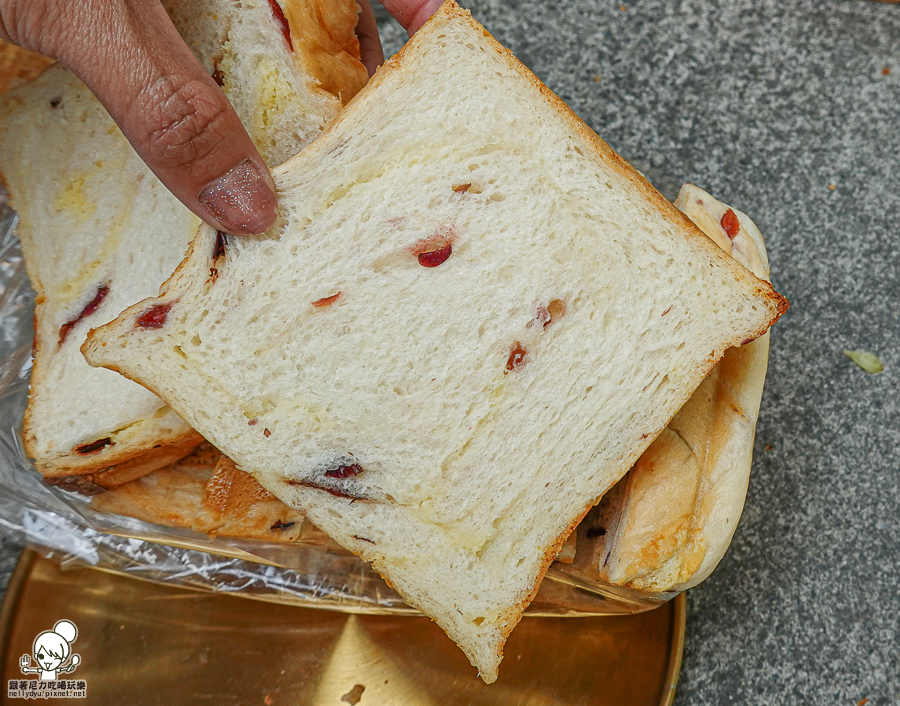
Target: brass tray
(147, 643)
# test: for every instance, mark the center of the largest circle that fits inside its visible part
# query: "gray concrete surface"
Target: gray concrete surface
(783, 109)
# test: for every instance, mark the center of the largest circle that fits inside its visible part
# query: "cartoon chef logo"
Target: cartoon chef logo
(52, 652)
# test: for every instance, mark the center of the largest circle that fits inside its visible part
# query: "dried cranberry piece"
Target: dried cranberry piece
(91, 307)
(557, 309)
(93, 446)
(332, 491)
(462, 188)
(344, 471)
(279, 525)
(516, 356)
(219, 248)
(285, 27)
(435, 257)
(154, 317)
(731, 224)
(326, 301)
(218, 76)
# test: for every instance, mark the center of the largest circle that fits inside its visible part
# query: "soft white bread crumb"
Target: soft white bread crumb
(99, 232)
(679, 506)
(449, 423)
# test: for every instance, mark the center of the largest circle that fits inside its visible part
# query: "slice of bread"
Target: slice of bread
(100, 232)
(171, 496)
(674, 515)
(470, 320)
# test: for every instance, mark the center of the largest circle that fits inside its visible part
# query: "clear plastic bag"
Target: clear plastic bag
(307, 571)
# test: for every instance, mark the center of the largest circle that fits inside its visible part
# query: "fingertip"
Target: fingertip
(370, 49)
(242, 201)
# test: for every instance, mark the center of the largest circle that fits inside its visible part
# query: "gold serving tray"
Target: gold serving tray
(147, 643)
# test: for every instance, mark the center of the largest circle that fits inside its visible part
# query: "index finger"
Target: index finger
(411, 14)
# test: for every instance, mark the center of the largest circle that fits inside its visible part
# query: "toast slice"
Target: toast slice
(672, 520)
(470, 320)
(100, 232)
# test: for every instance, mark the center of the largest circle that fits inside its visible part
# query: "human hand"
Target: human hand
(172, 112)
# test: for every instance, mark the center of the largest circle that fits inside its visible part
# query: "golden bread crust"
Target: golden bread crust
(101, 471)
(207, 493)
(682, 499)
(324, 33)
(18, 65)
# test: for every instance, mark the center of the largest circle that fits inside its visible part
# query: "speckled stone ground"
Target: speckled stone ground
(790, 111)
(9, 553)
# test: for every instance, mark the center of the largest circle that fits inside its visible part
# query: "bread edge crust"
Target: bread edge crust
(90, 476)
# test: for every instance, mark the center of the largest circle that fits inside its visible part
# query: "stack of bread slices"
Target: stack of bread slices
(99, 232)
(470, 320)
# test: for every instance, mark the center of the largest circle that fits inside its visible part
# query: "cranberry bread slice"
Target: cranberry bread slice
(470, 320)
(100, 232)
(674, 518)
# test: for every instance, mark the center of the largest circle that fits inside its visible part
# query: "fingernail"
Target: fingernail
(242, 201)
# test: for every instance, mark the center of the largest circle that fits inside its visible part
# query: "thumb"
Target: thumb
(170, 109)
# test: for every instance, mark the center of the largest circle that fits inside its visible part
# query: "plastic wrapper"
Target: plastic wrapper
(310, 570)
